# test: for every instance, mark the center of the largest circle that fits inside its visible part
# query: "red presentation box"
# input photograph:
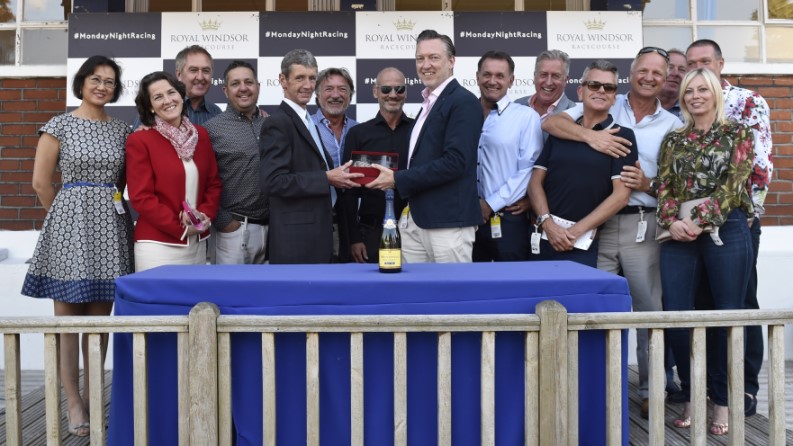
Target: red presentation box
(362, 162)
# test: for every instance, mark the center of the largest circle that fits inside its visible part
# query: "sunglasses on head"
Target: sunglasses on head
(654, 49)
(386, 89)
(595, 86)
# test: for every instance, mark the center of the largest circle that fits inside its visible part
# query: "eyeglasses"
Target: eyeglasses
(386, 89)
(95, 81)
(654, 49)
(595, 86)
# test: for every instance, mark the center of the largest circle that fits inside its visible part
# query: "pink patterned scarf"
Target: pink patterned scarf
(183, 138)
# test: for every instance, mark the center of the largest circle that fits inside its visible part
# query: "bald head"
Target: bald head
(386, 71)
(393, 82)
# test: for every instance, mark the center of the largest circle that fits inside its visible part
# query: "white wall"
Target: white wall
(774, 265)
(20, 245)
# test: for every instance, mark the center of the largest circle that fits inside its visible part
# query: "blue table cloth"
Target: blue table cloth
(489, 288)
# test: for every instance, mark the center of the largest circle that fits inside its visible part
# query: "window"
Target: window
(33, 32)
(418, 5)
(477, 5)
(171, 6)
(751, 33)
(780, 9)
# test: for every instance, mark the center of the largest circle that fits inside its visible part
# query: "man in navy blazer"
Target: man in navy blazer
(296, 171)
(440, 181)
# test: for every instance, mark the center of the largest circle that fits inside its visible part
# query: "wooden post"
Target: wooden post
(657, 377)
(140, 389)
(183, 384)
(52, 387)
(444, 388)
(699, 407)
(614, 387)
(488, 388)
(532, 393)
(312, 389)
(572, 388)
(400, 389)
(224, 389)
(268, 389)
(96, 374)
(553, 373)
(203, 376)
(356, 389)
(776, 385)
(735, 373)
(13, 387)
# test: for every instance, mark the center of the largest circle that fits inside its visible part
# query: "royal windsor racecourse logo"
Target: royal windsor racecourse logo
(595, 25)
(404, 25)
(209, 25)
(212, 37)
(402, 40)
(595, 37)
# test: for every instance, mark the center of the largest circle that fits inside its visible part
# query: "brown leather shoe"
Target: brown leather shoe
(646, 408)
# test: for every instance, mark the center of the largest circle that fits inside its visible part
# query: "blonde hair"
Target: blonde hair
(713, 84)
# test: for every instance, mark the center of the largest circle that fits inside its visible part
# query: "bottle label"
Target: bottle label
(390, 258)
(389, 224)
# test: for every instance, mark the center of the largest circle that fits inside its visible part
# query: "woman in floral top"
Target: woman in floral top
(708, 158)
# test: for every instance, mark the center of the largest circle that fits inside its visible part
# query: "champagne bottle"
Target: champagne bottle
(390, 243)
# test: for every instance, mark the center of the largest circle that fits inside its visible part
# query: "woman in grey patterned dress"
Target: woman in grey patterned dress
(85, 242)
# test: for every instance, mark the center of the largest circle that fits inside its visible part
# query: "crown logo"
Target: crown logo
(209, 25)
(595, 25)
(357, 6)
(404, 25)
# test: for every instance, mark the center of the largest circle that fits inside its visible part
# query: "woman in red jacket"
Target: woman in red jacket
(170, 164)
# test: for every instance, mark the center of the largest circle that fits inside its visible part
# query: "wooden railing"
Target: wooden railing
(51, 327)
(551, 384)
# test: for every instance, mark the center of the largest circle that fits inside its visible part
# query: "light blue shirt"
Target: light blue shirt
(306, 118)
(510, 143)
(333, 146)
(650, 132)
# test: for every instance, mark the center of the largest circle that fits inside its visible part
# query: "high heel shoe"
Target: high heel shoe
(683, 423)
(719, 428)
(78, 430)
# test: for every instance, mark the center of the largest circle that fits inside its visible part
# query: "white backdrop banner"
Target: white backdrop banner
(362, 42)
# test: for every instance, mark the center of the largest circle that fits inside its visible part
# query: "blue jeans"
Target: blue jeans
(728, 269)
(753, 358)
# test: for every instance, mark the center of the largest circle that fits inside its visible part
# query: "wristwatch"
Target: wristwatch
(541, 219)
(653, 189)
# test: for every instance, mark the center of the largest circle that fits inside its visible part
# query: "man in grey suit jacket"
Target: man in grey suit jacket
(551, 72)
(296, 171)
(440, 181)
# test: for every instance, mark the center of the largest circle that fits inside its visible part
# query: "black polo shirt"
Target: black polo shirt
(579, 177)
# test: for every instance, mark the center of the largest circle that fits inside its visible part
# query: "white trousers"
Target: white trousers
(246, 245)
(149, 255)
(443, 245)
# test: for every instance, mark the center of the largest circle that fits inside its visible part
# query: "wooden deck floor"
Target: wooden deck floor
(33, 420)
(33, 431)
(756, 429)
